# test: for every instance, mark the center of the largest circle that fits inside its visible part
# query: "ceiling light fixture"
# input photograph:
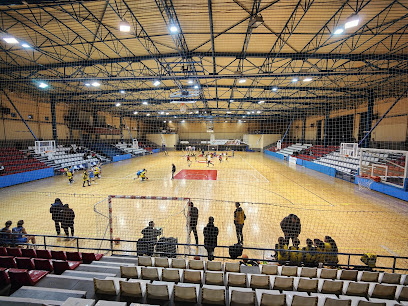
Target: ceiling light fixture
(248, 113)
(167, 113)
(170, 121)
(190, 81)
(338, 31)
(253, 112)
(258, 112)
(122, 91)
(24, 45)
(124, 26)
(145, 103)
(231, 100)
(135, 113)
(117, 104)
(147, 115)
(197, 112)
(43, 85)
(161, 113)
(156, 83)
(173, 29)
(307, 79)
(96, 84)
(261, 102)
(229, 112)
(164, 121)
(352, 21)
(87, 84)
(275, 89)
(242, 80)
(10, 40)
(195, 86)
(183, 121)
(294, 80)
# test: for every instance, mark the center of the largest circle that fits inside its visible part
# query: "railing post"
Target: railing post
(45, 242)
(394, 264)
(77, 244)
(348, 261)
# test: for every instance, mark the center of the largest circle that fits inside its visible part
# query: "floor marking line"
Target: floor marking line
(254, 168)
(388, 250)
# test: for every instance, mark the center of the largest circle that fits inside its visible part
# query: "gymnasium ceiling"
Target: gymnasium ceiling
(72, 44)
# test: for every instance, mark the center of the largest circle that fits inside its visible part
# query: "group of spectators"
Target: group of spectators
(16, 235)
(314, 253)
(63, 216)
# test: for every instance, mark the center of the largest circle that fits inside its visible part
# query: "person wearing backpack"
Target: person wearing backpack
(239, 219)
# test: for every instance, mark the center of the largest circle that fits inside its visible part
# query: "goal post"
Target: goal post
(125, 216)
(390, 166)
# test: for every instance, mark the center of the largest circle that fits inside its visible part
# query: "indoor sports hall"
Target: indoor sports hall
(244, 132)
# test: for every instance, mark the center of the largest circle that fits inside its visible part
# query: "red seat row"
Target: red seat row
(86, 258)
(20, 277)
(58, 266)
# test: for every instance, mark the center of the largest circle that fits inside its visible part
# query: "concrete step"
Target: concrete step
(52, 294)
(19, 301)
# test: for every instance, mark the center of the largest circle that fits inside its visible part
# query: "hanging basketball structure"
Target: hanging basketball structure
(183, 108)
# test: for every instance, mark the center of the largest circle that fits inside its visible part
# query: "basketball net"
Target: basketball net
(183, 108)
(364, 183)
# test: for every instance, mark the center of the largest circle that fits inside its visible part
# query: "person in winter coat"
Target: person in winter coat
(194, 221)
(56, 214)
(291, 227)
(239, 219)
(150, 235)
(210, 238)
(68, 217)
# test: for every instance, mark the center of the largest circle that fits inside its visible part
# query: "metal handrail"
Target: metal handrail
(112, 250)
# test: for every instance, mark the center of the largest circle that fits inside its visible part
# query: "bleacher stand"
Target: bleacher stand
(106, 149)
(316, 151)
(16, 161)
(129, 149)
(63, 158)
(295, 148)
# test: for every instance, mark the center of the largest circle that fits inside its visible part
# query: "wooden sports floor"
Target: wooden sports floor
(269, 190)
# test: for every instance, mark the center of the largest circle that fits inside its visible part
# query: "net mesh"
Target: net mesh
(267, 90)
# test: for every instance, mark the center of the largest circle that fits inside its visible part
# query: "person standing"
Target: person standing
(56, 214)
(193, 221)
(173, 170)
(291, 227)
(85, 178)
(239, 219)
(150, 235)
(210, 238)
(68, 217)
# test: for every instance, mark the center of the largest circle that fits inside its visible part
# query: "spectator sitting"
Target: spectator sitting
(5, 232)
(295, 258)
(319, 245)
(150, 235)
(309, 257)
(21, 236)
(281, 255)
(331, 249)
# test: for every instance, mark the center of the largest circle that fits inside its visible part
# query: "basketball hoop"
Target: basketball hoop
(183, 108)
(364, 183)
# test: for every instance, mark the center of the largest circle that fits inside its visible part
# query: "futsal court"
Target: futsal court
(269, 190)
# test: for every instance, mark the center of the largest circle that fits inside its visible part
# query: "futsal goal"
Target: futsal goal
(387, 166)
(123, 217)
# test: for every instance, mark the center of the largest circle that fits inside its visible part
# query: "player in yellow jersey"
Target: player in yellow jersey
(309, 255)
(331, 250)
(282, 256)
(70, 176)
(96, 171)
(85, 177)
(295, 258)
(143, 175)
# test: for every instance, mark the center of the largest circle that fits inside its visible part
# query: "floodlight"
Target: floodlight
(229, 112)
(170, 121)
(258, 112)
(87, 84)
(145, 103)
(261, 102)
(25, 45)
(231, 100)
(195, 86)
(161, 113)
(147, 115)
(248, 113)
(307, 79)
(253, 112)
(156, 83)
(122, 91)
(164, 121)
(352, 21)
(167, 113)
(338, 31)
(190, 81)
(96, 84)
(294, 80)
(124, 26)
(117, 104)
(10, 40)
(242, 80)
(173, 29)
(275, 89)
(43, 85)
(135, 113)
(183, 121)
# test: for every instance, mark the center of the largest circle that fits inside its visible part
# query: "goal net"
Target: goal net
(120, 218)
(389, 166)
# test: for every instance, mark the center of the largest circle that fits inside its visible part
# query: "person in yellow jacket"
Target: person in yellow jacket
(282, 256)
(143, 175)
(295, 258)
(85, 178)
(309, 255)
(319, 245)
(239, 220)
(331, 250)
